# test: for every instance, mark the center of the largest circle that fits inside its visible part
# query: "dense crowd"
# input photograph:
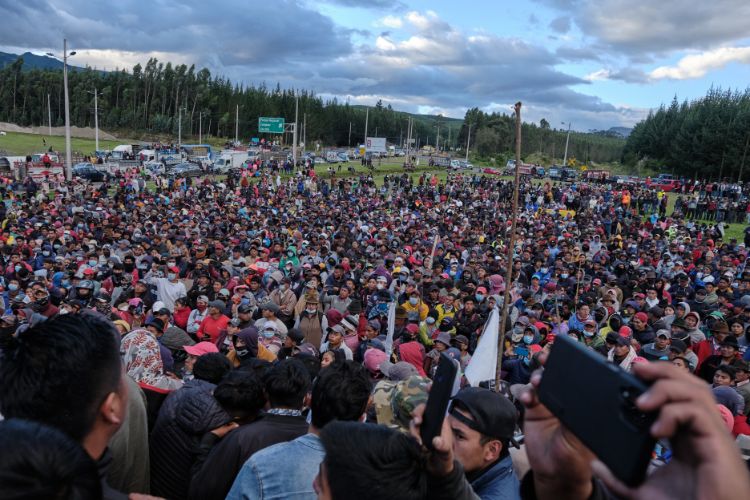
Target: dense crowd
(275, 336)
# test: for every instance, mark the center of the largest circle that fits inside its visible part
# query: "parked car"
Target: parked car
(89, 172)
(155, 167)
(185, 170)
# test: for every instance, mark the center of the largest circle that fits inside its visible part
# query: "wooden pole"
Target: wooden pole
(510, 249)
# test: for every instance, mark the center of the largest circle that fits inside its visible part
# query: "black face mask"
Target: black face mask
(128, 267)
(242, 353)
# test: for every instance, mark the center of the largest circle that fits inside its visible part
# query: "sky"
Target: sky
(593, 64)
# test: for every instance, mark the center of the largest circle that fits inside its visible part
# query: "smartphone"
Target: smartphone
(595, 400)
(438, 400)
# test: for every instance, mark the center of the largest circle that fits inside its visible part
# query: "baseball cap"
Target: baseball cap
(200, 348)
(202, 298)
(490, 413)
(270, 306)
(217, 304)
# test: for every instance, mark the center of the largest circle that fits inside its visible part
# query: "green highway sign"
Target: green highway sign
(270, 125)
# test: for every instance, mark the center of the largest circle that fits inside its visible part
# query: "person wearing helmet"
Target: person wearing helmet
(84, 292)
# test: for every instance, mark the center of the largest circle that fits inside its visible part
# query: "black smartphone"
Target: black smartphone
(438, 400)
(595, 400)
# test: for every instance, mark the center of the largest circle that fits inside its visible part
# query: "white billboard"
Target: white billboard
(376, 145)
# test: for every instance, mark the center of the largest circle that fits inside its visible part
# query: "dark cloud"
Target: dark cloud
(560, 24)
(235, 32)
(629, 75)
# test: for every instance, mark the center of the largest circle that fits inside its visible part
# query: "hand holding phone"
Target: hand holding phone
(595, 401)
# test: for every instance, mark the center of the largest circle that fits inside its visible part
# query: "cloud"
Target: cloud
(601, 74)
(697, 65)
(560, 24)
(368, 4)
(233, 32)
(635, 26)
(393, 22)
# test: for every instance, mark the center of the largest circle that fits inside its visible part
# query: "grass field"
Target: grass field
(16, 144)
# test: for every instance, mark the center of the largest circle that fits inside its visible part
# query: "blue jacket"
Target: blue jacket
(499, 482)
(281, 471)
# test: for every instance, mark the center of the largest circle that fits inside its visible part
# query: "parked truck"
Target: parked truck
(229, 160)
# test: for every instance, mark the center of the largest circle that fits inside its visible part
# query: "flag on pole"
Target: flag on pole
(391, 328)
(483, 364)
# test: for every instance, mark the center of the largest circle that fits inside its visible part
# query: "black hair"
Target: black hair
(340, 393)
(728, 369)
(241, 394)
(211, 367)
(287, 384)
(367, 461)
(312, 363)
(60, 371)
(42, 462)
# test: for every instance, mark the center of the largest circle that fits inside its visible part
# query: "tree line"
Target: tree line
(494, 134)
(152, 100)
(706, 138)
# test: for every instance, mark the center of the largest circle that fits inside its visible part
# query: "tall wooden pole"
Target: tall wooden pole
(510, 248)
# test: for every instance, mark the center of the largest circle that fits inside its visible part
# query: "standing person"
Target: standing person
(312, 322)
(168, 289)
(335, 342)
(287, 470)
(285, 298)
(90, 414)
(287, 385)
(214, 323)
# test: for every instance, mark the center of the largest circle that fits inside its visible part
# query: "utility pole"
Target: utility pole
(304, 131)
(367, 117)
(237, 124)
(68, 152)
(449, 137)
(179, 130)
(200, 127)
(567, 138)
(350, 134)
(468, 142)
(437, 139)
(96, 118)
(509, 253)
(294, 134)
(49, 115)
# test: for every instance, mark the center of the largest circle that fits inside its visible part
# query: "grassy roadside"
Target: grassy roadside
(18, 144)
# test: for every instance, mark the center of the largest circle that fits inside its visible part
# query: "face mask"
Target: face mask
(380, 286)
(45, 253)
(564, 276)
(171, 276)
(518, 329)
(17, 268)
(528, 339)
(269, 334)
(290, 254)
(430, 321)
(283, 288)
(242, 352)
(544, 270)
(588, 334)
(171, 264)
(413, 301)
(479, 297)
(92, 263)
(12, 287)
(64, 311)
(312, 310)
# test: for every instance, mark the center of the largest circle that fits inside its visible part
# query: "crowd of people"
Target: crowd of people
(275, 337)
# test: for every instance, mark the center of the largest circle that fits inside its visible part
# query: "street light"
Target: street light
(565, 158)
(96, 119)
(68, 152)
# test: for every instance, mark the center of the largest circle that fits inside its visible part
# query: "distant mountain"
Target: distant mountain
(33, 61)
(621, 131)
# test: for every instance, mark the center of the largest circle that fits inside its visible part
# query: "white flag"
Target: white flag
(391, 329)
(483, 362)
